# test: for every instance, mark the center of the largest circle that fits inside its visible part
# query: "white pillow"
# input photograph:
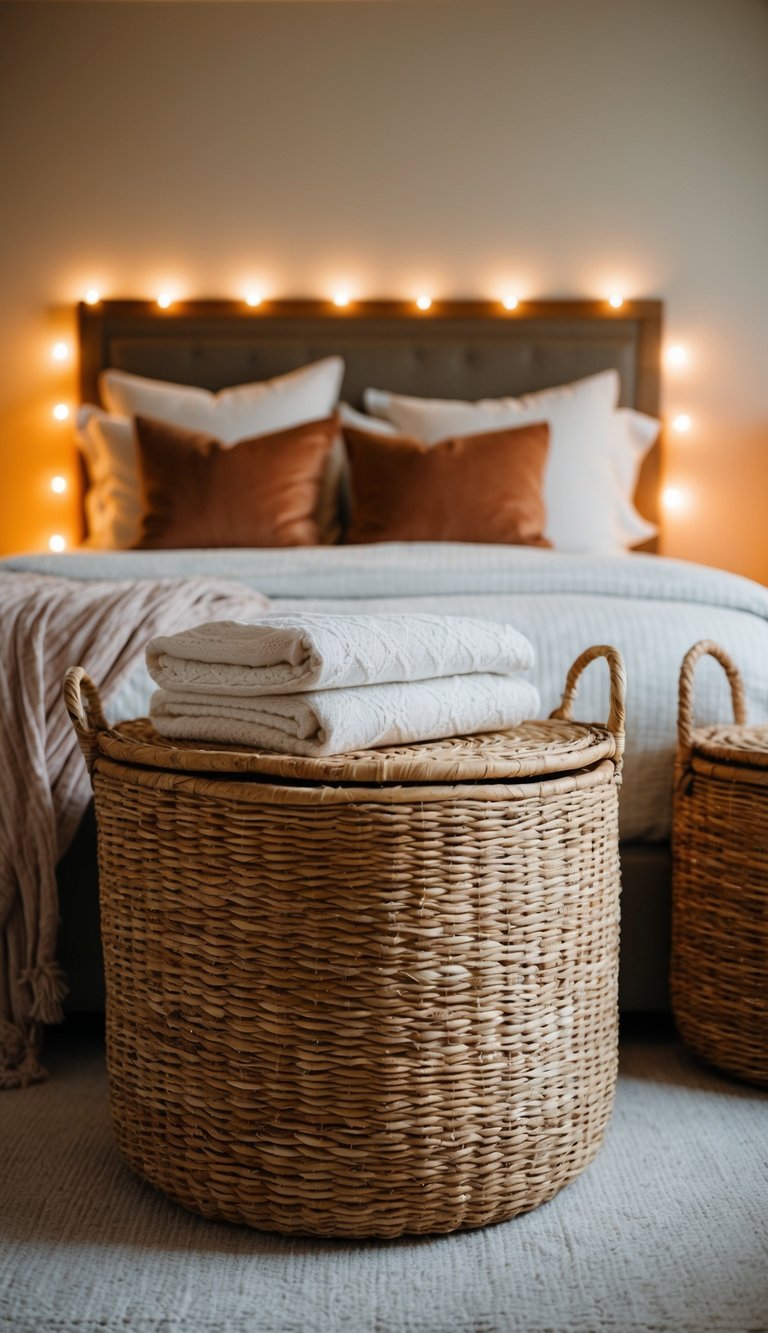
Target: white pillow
(595, 452)
(308, 394)
(113, 503)
(349, 416)
(579, 484)
(633, 436)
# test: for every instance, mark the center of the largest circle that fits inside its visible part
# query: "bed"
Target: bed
(652, 608)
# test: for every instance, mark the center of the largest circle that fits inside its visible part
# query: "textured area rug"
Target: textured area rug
(667, 1230)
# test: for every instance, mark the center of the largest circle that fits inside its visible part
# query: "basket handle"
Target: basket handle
(616, 710)
(83, 703)
(704, 648)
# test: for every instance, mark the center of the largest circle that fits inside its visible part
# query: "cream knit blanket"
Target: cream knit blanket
(49, 624)
(322, 722)
(288, 654)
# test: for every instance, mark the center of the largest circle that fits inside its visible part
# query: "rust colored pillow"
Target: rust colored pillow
(472, 488)
(259, 492)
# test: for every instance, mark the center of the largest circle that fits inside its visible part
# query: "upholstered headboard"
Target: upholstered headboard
(457, 349)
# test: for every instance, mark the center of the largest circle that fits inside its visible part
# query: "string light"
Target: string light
(676, 355)
(61, 412)
(58, 485)
(681, 423)
(60, 351)
(673, 497)
(57, 542)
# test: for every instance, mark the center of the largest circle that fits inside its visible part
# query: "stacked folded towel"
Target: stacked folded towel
(319, 684)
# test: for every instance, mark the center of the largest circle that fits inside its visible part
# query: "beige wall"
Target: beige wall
(559, 147)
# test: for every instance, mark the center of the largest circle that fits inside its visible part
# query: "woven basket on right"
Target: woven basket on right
(719, 967)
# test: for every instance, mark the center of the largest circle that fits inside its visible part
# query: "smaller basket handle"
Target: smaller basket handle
(83, 703)
(616, 710)
(704, 648)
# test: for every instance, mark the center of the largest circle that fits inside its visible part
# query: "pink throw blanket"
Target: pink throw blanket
(47, 625)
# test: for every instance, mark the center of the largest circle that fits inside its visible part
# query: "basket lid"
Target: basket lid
(732, 744)
(532, 749)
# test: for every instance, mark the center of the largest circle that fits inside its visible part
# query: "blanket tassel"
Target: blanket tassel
(48, 985)
(19, 1065)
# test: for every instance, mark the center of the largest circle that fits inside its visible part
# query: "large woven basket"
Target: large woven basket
(719, 969)
(363, 995)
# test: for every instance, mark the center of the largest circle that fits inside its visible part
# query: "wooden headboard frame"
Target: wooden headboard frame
(456, 349)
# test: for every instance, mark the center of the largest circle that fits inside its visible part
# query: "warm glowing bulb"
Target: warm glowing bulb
(58, 485)
(423, 302)
(61, 411)
(510, 303)
(252, 299)
(676, 356)
(92, 296)
(681, 423)
(341, 299)
(57, 542)
(616, 301)
(60, 351)
(164, 300)
(672, 497)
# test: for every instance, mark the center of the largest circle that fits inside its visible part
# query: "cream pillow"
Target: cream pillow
(595, 452)
(634, 434)
(113, 503)
(349, 416)
(308, 394)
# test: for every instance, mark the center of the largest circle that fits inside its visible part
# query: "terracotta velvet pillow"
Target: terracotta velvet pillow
(474, 488)
(262, 491)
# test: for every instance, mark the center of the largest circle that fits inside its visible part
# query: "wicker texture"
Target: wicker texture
(360, 1011)
(719, 968)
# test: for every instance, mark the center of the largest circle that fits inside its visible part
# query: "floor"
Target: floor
(667, 1230)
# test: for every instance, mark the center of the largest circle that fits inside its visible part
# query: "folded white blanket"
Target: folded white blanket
(287, 654)
(322, 722)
